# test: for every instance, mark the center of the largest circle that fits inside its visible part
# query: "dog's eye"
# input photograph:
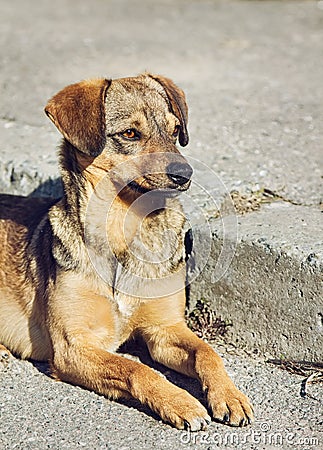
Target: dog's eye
(176, 131)
(131, 134)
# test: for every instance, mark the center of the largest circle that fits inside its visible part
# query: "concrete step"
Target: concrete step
(262, 274)
(28, 163)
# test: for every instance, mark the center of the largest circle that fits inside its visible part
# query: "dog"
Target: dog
(105, 263)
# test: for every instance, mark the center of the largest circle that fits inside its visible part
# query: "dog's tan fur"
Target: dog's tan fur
(54, 302)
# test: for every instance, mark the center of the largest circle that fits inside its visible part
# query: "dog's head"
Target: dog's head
(129, 127)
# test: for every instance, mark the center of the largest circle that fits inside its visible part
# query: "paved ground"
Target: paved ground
(253, 72)
(38, 413)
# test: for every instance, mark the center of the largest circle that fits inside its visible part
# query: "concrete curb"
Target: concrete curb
(271, 291)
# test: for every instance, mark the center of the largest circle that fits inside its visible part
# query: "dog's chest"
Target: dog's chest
(139, 257)
(152, 260)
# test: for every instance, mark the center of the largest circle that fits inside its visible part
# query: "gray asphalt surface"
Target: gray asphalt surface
(253, 72)
(39, 413)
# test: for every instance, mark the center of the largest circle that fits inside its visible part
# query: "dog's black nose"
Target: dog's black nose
(179, 173)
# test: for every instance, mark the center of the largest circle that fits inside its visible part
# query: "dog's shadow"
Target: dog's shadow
(53, 188)
(137, 349)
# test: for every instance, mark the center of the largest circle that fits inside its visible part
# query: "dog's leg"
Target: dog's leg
(117, 377)
(177, 347)
(82, 328)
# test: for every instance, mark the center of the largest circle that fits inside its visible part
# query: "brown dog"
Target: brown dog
(84, 274)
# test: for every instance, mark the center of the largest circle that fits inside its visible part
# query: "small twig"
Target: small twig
(311, 370)
(304, 368)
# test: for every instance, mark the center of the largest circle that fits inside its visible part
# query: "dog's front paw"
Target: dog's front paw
(185, 412)
(229, 405)
(5, 356)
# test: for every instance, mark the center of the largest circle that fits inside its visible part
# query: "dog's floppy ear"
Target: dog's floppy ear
(78, 111)
(178, 105)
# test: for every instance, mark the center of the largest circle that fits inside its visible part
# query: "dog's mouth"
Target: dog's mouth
(144, 185)
(176, 179)
(170, 182)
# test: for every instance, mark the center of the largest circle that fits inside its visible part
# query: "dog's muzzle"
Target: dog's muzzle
(179, 173)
